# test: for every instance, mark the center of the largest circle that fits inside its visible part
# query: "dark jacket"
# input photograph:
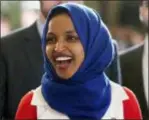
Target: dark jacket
(21, 63)
(132, 77)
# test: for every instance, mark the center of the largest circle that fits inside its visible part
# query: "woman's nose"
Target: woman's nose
(60, 46)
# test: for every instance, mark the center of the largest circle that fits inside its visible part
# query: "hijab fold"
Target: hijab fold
(87, 94)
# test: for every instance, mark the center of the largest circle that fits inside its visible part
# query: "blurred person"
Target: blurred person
(74, 85)
(22, 59)
(29, 10)
(130, 31)
(31, 16)
(5, 25)
(136, 38)
(122, 37)
(134, 66)
(21, 64)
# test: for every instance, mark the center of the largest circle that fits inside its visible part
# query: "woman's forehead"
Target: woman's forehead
(61, 22)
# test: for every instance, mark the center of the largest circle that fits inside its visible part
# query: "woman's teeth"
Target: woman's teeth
(63, 62)
(63, 58)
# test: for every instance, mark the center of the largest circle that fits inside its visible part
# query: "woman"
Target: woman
(77, 48)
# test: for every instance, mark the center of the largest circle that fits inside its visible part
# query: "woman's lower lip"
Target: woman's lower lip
(63, 66)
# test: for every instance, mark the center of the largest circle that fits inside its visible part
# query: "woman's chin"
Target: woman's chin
(64, 76)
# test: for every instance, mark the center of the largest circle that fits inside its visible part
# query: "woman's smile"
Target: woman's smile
(62, 61)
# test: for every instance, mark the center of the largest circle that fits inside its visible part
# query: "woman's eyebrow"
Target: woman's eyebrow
(70, 31)
(50, 33)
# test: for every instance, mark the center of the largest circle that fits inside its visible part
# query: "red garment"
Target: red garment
(27, 111)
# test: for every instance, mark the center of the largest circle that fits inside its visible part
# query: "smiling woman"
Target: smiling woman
(77, 48)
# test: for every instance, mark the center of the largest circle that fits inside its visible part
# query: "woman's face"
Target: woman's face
(64, 49)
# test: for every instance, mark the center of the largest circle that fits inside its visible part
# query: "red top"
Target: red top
(130, 106)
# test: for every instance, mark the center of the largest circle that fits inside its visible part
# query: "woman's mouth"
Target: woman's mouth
(63, 62)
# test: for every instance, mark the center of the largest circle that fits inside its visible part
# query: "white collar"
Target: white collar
(40, 27)
(115, 109)
(145, 67)
(43, 109)
(38, 98)
(146, 45)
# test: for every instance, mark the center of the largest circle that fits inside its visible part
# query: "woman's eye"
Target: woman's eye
(72, 38)
(51, 40)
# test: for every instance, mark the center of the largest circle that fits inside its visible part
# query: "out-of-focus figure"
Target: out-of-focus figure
(134, 64)
(21, 63)
(29, 12)
(5, 25)
(128, 30)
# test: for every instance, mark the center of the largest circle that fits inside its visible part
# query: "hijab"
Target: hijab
(87, 94)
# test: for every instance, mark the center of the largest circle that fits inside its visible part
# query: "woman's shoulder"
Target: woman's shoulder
(132, 108)
(123, 91)
(130, 93)
(27, 98)
(25, 109)
(132, 99)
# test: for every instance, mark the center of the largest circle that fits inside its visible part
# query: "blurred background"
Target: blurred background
(121, 17)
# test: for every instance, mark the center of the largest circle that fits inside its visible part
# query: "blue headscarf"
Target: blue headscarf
(87, 94)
